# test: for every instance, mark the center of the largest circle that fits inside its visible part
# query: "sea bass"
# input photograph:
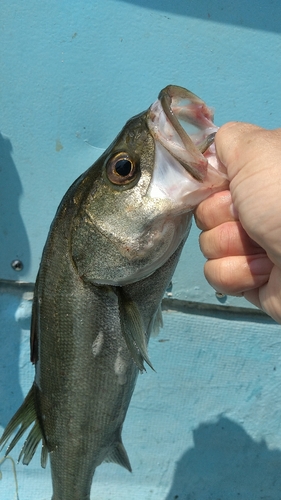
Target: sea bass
(110, 254)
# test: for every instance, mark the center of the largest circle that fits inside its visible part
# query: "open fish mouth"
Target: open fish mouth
(186, 167)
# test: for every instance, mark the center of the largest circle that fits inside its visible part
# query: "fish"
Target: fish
(110, 254)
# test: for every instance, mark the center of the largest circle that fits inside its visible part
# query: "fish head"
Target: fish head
(135, 203)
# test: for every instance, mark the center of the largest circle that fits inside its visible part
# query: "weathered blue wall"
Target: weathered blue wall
(207, 424)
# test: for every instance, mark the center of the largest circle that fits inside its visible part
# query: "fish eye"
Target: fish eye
(121, 169)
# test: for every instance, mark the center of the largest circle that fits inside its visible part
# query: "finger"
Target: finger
(215, 210)
(252, 157)
(268, 296)
(227, 240)
(235, 142)
(243, 144)
(234, 275)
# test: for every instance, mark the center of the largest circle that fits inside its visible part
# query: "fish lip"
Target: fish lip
(166, 99)
(189, 153)
(193, 111)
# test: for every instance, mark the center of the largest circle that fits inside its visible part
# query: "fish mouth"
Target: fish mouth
(186, 167)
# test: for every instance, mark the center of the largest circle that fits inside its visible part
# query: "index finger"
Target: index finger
(215, 210)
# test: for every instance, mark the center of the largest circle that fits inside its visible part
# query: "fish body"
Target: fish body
(111, 252)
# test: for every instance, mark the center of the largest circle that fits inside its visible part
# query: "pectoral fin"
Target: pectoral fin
(156, 323)
(133, 329)
(118, 455)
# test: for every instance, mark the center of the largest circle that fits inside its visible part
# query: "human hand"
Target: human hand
(241, 235)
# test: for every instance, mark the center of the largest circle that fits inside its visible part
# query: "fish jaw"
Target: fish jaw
(186, 169)
(172, 182)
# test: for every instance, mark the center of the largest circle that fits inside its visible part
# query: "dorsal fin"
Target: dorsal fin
(25, 416)
(33, 330)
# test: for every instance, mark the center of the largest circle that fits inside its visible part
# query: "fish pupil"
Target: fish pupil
(123, 167)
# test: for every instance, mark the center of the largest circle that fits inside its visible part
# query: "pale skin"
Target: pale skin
(241, 228)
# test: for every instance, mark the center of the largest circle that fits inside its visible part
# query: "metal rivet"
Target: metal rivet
(220, 295)
(17, 265)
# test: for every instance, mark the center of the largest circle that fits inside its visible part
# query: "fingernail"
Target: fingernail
(234, 211)
(260, 265)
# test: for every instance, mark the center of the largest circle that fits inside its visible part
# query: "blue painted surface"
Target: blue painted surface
(206, 426)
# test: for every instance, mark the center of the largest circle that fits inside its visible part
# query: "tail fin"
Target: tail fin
(25, 416)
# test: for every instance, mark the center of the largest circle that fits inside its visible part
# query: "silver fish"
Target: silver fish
(110, 254)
